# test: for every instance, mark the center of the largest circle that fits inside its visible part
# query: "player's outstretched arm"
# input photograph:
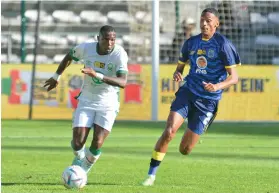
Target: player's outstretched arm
(52, 82)
(231, 80)
(119, 81)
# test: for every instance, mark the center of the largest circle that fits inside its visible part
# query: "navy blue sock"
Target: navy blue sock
(154, 164)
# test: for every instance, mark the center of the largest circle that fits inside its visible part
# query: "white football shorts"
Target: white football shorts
(86, 116)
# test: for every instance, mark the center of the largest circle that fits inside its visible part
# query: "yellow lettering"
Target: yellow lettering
(201, 52)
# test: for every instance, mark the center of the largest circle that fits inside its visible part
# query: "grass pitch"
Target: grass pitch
(231, 157)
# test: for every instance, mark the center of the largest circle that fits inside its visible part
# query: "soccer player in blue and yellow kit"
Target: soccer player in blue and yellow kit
(212, 58)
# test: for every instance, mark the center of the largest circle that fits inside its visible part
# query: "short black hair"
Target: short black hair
(211, 10)
(106, 29)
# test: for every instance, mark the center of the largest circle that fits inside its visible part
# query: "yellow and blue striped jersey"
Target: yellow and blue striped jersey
(208, 59)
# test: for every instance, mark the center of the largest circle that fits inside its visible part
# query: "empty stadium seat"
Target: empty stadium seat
(3, 58)
(274, 17)
(52, 39)
(166, 38)
(28, 38)
(14, 59)
(76, 39)
(267, 40)
(275, 60)
(134, 39)
(93, 17)
(4, 40)
(143, 16)
(257, 18)
(4, 21)
(10, 20)
(32, 15)
(58, 58)
(118, 17)
(65, 16)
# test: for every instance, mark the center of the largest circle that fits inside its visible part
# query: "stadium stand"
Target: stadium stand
(252, 26)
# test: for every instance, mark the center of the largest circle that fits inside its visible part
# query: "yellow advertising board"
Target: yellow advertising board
(254, 98)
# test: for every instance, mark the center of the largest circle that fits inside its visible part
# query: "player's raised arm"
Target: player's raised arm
(74, 54)
(52, 82)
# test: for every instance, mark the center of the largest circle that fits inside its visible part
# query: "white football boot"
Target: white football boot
(149, 181)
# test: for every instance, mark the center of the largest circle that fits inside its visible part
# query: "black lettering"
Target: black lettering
(235, 87)
(243, 83)
(167, 99)
(164, 99)
(259, 85)
(165, 84)
(174, 86)
(227, 89)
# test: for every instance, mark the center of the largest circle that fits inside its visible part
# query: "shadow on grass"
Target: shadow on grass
(146, 151)
(242, 128)
(52, 184)
(268, 129)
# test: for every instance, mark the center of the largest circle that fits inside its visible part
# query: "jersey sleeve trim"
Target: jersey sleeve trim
(180, 62)
(122, 72)
(233, 66)
(72, 55)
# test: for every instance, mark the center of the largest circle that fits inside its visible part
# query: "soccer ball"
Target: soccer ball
(74, 177)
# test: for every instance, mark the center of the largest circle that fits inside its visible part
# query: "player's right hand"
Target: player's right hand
(50, 84)
(177, 76)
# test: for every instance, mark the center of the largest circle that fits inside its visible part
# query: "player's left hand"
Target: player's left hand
(210, 87)
(89, 72)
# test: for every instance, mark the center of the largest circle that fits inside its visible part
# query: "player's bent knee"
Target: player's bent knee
(185, 150)
(168, 135)
(77, 144)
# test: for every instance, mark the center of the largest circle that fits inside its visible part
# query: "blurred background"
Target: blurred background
(239, 153)
(251, 25)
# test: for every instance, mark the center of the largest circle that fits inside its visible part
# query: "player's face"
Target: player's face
(208, 24)
(106, 42)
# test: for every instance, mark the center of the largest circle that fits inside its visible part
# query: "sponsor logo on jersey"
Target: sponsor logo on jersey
(211, 53)
(202, 64)
(201, 52)
(110, 67)
(99, 64)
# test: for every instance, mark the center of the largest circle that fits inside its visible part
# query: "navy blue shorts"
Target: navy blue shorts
(199, 111)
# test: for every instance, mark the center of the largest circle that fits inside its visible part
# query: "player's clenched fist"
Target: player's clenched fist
(177, 76)
(210, 87)
(50, 84)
